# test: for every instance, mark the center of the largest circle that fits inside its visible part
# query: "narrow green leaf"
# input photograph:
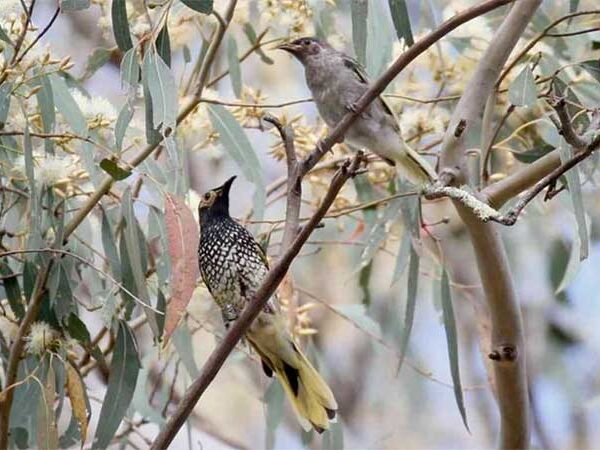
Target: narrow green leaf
(236, 143)
(359, 11)
(123, 121)
(77, 329)
(333, 439)
(364, 279)
(74, 5)
(61, 295)
(124, 370)
(533, 154)
(97, 59)
(110, 247)
(130, 69)
(133, 244)
(401, 21)
(573, 266)
(251, 35)
(153, 136)
(403, 256)
(141, 397)
(161, 305)
(379, 230)
(274, 400)
(573, 5)
(452, 341)
(34, 210)
(163, 45)
(523, 91)
(4, 37)
(10, 283)
(380, 38)
(120, 25)
(202, 6)
(113, 169)
(45, 99)
(411, 302)
(574, 184)
(235, 73)
(66, 105)
(182, 340)
(5, 90)
(163, 92)
(592, 66)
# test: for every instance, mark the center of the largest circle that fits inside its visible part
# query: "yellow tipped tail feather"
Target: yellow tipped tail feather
(310, 396)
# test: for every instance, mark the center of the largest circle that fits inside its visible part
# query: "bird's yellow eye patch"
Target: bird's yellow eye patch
(208, 199)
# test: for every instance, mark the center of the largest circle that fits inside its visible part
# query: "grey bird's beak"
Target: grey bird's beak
(289, 47)
(227, 185)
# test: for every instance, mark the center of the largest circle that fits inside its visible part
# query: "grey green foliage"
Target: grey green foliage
(124, 371)
(121, 25)
(401, 20)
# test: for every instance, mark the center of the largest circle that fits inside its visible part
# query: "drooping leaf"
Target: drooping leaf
(4, 37)
(114, 170)
(110, 247)
(592, 66)
(401, 21)
(141, 396)
(161, 306)
(523, 91)
(66, 105)
(359, 10)
(123, 121)
(379, 230)
(274, 400)
(120, 25)
(182, 236)
(202, 6)
(403, 256)
(411, 302)
(77, 396)
(97, 59)
(182, 340)
(163, 92)
(333, 438)
(74, 5)
(61, 294)
(235, 72)
(236, 143)
(77, 329)
(574, 184)
(124, 370)
(533, 154)
(163, 45)
(130, 69)
(380, 37)
(10, 283)
(45, 99)
(5, 91)
(47, 433)
(452, 341)
(364, 280)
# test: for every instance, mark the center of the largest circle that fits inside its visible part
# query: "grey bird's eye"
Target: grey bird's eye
(207, 196)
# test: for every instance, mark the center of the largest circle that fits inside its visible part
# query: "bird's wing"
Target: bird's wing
(360, 72)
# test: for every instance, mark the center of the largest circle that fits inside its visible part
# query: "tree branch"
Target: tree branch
(507, 345)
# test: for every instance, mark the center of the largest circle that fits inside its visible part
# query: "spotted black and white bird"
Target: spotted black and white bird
(336, 82)
(233, 266)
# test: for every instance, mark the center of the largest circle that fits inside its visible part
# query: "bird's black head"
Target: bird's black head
(215, 203)
(304, 48)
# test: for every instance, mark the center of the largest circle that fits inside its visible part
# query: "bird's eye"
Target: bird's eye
(207, 196)
(306, 42)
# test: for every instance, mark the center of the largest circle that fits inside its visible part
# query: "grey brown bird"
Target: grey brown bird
(233, 266)
(337, 81)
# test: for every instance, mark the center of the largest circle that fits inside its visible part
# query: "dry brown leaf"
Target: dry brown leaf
(47, 433)
(76, 393)
(182, 237)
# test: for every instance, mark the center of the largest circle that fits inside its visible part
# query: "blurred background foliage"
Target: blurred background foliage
(108, 78)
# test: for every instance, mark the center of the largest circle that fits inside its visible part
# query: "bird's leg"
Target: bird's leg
(229, 315)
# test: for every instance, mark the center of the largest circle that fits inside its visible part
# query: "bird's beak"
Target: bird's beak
(227, 185)
(289, 47)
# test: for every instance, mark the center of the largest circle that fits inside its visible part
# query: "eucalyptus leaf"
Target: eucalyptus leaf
(274, 400)
(592, 66)
(163, 45)
(401, 21)
(235, 73)
(45, 99)
(120, 25)
(114, 170)
(235, 142)
(523, 91)
(124, 370)
(5, 94)
(74, 5)
(163, 92)
(123, 121)
(110, 247)
(202, 6)
(380, 37)
(12, 290)
(359, 11)
(130, 69)
(411, 302)
(358, 315)
(452, 341)
(333, 439)
(403, 256)
(533, 154)
(66, 105)
(97, 59)
(574, 184)
(251, 35)
(182, 340)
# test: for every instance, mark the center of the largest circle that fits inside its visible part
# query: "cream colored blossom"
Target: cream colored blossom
(41, 337)
(53, 171)
(8, 323)
(97, 110)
